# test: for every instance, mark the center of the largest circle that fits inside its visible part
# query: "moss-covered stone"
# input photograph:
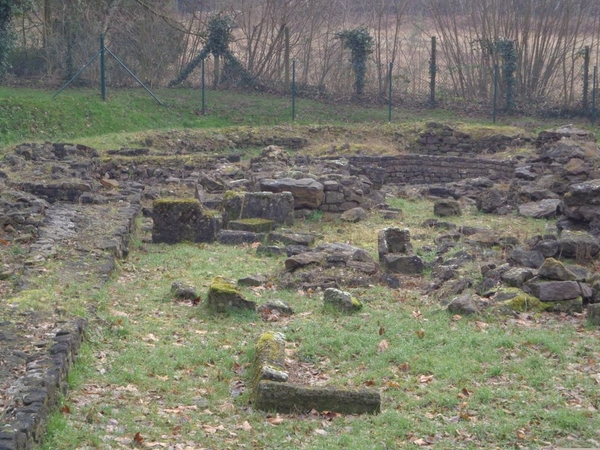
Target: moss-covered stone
(269, 360)
(341, 300)
(255, 225)
(521, 301)
(224, 296)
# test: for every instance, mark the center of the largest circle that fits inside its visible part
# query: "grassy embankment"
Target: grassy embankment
(157, 373)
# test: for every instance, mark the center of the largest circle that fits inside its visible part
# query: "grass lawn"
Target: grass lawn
(158, 373)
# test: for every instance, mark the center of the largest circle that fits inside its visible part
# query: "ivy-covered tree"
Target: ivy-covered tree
(360, 43)
(8, 8)
(506, 49)
(217, 45)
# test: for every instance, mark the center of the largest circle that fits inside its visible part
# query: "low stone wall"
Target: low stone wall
(424, 169)
(440, 139)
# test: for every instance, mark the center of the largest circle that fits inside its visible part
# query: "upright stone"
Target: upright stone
(278, 207)
(181, 220)
(394, 240)
(593, 314)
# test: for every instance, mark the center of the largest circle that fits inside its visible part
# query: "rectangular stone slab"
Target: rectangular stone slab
(290, 398)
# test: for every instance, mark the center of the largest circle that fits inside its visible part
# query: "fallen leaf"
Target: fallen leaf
(65, 409)
(393, 385)
(420, 333)
(138, 439)
(383, 346)
(321, 432)
(481, 325)
(245, 426)
(456, 317)
(369, 383)
(421, 442)
(464, 393)
(425, 378)
(4, 242)
(417, 314)
(255, 245)
(404, 367)
(212, 430)
(381, 330)
(275, 420)
(150, 338)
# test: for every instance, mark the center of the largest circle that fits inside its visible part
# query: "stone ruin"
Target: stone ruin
(70, 191)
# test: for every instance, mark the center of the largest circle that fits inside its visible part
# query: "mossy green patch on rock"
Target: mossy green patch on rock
(521, 301)
(269, 361)
(223, 296)
(192, 202)
(255, 225)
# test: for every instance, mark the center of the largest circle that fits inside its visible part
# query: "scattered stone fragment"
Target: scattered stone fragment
(235, 237)
(544, 209)
(553, 291)
(354, 215)
(273, 250)
(408, 265)
(276, 305)
(183, 291)
(517, 276)
(446, 208)
(288, 238)
(252, 280)
(344, 301)
(391, 281)
(579, 245)
(593, 314)
(463, 305)
(555, 270)
(526, 258)
(223, 296)
(304, 259)
(547, 247)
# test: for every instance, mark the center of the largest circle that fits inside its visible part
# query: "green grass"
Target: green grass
(166, 369)
(80, 115)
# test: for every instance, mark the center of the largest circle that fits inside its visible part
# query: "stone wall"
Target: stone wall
(439, 139)
(424, 169)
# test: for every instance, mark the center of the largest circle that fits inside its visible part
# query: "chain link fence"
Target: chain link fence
(48, 54)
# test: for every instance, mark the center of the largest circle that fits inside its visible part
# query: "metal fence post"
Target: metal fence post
(102, 68)
(203, 88)
(293, 90)
(495, 103)
(594, 88)
(390, 93)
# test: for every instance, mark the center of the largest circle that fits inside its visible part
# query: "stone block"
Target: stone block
(278, 207)
(254, 225)
(181, 220)
(408, 265)
(293, 398)
(393, 240)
